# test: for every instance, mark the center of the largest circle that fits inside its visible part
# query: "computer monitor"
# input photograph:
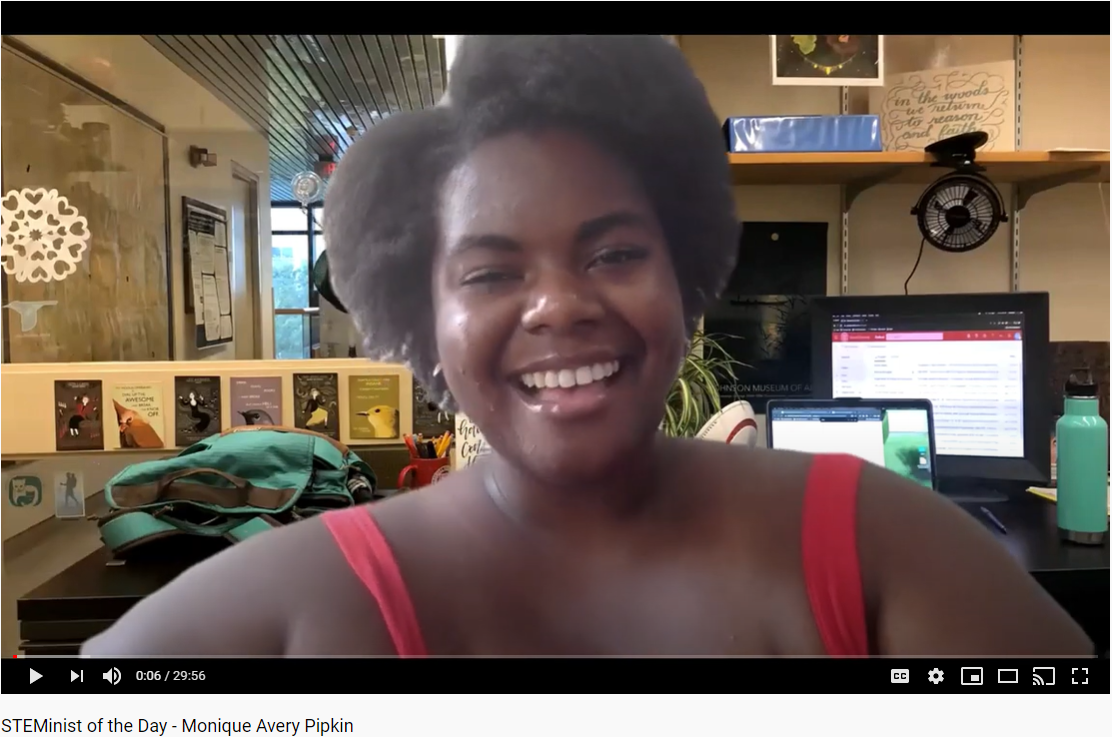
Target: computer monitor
(982, 359)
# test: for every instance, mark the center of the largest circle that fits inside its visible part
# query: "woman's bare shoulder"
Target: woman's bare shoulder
(754, 474)
(288, 591)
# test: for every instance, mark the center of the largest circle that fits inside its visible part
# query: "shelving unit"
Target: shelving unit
(1030, 172)
(1033, 171)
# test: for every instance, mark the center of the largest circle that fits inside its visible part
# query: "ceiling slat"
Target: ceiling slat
(421, 66)
(308, 98)
(234, 87)
(390, 53)
(182, 56)
(284, 97)
(340, 66)
(311, 95)
(373, 69)
(270, 97)
(438, 74)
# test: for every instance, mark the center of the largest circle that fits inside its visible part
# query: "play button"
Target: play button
(35, 675)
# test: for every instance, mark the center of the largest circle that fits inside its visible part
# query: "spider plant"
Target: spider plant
(695, 396)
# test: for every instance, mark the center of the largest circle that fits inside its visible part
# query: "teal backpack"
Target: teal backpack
(227, 488)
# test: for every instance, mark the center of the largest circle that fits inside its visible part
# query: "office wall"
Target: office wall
(134, 71)
(1065, 239)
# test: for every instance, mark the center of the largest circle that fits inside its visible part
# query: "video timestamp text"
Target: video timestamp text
(169, 675)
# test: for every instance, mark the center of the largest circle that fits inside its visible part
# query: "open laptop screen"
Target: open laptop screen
(896, 439)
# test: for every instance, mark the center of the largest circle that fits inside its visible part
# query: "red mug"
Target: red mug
(423, 472)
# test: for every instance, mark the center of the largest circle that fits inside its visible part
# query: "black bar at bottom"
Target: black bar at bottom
(636, 675)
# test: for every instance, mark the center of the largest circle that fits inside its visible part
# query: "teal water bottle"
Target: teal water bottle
(1082, 464)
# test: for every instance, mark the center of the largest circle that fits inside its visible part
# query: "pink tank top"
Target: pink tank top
(831, 568)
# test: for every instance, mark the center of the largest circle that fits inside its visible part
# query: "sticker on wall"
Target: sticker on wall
(25, 491)
(77, 421)
(44, 236)
(373, 403)
(69, 495)
(256, 400)
(317, 397)
(198, 408)
(470, 443)
(29, 312)
(140, 415)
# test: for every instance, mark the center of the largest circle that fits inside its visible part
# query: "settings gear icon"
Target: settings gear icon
(935, 676)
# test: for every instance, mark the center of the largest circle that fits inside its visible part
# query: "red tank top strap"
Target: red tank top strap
(368, 553)
(831, 566)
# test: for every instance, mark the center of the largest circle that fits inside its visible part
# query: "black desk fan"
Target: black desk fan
(961, 210)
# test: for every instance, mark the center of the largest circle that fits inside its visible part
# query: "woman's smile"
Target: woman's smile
(572, 387)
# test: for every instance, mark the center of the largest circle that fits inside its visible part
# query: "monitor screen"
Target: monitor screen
(896, 439)
(969, 365)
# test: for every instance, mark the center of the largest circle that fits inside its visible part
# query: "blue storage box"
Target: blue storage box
(802, 133)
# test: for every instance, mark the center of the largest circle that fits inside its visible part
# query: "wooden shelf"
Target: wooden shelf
(866, 169)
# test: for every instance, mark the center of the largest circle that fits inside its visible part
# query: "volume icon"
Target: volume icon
(112, 675)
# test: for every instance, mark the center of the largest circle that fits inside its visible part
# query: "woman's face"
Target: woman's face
(559, 322)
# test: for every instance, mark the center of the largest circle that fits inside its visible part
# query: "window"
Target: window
(106, 293)
(294, 247)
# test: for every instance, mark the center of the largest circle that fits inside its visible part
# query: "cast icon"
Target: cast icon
(1042, 676)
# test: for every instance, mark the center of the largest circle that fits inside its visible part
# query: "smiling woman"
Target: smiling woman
(567, 216)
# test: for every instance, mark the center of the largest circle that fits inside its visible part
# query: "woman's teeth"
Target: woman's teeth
(567, 378)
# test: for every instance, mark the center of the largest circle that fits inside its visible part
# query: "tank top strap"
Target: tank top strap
(368, 553)
(831, 567)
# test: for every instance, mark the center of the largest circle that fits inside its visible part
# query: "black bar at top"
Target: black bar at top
(637, 675)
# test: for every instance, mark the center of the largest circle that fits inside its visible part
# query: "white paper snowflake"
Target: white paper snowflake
(44, 236)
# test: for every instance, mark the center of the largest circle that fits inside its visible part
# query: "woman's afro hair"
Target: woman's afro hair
(635, 96)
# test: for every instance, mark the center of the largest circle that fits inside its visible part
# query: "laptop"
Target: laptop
(897, 434)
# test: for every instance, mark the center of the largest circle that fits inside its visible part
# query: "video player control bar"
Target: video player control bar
(819, 675)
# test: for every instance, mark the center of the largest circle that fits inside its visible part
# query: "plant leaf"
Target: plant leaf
(696, 394)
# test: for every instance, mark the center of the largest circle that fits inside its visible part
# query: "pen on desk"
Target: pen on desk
(994, 520)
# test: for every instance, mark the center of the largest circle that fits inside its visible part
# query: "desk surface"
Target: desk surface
(93, 588)
(1032, 537)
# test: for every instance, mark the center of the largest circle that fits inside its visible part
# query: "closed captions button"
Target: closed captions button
(901, 675)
